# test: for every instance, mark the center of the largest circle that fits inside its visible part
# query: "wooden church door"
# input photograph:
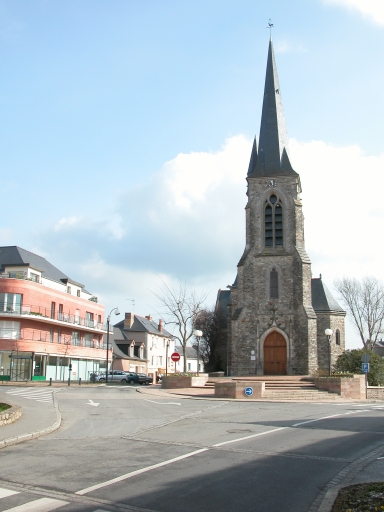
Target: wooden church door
(275, 354)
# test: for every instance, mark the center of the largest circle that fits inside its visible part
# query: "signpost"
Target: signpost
(365, 358)
(175, 357)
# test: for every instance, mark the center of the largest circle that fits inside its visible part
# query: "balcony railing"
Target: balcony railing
(39, 311)
(36, 335)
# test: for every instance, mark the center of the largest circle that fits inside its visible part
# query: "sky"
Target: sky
(126, 132)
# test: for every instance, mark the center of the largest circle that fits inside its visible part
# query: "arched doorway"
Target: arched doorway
(275, 354)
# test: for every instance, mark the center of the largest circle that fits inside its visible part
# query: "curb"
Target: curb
(38, 433)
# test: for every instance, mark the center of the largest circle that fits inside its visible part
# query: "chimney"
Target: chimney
(148, 317)
(128, 321)
(160, 325)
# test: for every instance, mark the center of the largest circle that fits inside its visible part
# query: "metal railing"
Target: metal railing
(40, 311)
(48, 337)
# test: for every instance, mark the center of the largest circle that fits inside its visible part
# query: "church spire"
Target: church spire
(272, 157)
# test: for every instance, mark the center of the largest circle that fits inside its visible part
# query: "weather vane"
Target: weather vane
(270, 26)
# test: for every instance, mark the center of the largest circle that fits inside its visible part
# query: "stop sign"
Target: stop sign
(175, 357)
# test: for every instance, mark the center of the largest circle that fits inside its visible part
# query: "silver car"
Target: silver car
(113, 376)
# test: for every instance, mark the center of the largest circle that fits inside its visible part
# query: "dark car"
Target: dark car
(139, 378)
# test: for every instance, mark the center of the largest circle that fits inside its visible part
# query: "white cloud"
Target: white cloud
(188, 222)
(371, 9)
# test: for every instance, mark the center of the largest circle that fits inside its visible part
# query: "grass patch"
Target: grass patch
(359, 498)
(4, 407)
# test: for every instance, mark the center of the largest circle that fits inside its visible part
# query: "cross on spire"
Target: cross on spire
(270, 26)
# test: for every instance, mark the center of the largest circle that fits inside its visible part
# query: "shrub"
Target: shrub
(350, 361)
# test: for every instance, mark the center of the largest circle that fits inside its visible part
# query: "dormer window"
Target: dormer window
(273, 222)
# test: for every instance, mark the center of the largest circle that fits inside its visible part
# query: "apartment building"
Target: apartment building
(50, 325)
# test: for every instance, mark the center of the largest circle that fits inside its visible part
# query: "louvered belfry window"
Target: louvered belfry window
(274, 284)
(273, 222)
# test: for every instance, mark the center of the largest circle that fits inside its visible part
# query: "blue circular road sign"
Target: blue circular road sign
(248, 391)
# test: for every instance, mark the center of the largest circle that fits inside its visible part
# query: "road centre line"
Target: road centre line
(162, 403)
(333, 416)
(169, 461)
(202, 450)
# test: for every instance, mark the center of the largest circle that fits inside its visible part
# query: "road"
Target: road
(118, 449)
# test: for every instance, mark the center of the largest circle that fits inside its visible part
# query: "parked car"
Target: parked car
(139, 378)
(113, 376)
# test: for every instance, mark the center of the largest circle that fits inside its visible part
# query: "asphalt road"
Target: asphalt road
(137, 452)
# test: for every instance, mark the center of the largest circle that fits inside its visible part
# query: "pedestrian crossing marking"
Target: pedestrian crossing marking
(33, 394)
(4, 493)
(41, 505)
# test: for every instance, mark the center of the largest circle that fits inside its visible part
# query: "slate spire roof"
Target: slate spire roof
(271, 157)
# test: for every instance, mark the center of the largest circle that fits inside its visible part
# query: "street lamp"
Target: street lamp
(328, 333)
(117, 312)
(198, 335)
(166, 358)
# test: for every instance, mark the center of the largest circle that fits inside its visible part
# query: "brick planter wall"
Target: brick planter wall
(236, 389)
(347, 387)
(10, 415)
(375, 392)
(183, 382)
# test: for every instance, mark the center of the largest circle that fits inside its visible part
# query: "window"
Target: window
(274, 284)
(337, 337)
(60, 315)
(78, 293)
(273, 218)
(34, 277)
(75, 338)
(53, 309)
(9, 330)
(89, 319)
(11, 302)
(189, 366)
(88, 340)
(69, 290)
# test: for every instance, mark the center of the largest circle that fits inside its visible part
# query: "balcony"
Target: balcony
(45, 314)
(37, 335)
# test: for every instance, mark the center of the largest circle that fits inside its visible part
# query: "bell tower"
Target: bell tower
(272, 324)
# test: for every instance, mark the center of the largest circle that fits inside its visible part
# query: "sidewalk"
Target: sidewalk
(37, 419)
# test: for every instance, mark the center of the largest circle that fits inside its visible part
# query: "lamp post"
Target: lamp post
(328, 333)
(117, 312)
(198, 335)
(166, 358)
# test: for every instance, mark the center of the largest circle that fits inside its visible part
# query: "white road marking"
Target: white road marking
(41, 505)
(250, 437)
(166, 462)
(327, 417)
(139, 471)
(163, 403)
(91, 402)
(4, 493)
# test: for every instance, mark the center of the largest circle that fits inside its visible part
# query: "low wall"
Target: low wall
(179, 382)
(10, 415)
(375, 392)
(346, 387)
(236, 389)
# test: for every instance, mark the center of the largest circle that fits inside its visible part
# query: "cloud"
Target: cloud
(188, 222)
(284, 46)
(371, 9)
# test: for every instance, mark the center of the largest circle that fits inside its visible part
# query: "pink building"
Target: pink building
(47, 321)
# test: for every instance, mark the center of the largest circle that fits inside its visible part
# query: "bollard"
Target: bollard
(80, 382)
(50, 381)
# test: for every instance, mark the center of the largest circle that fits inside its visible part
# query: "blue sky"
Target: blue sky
(126, 130)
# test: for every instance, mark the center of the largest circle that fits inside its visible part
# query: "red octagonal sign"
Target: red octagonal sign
(175, 357)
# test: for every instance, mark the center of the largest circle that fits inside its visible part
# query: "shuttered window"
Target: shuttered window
(273, 218)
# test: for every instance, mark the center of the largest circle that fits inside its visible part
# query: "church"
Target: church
(277, 313)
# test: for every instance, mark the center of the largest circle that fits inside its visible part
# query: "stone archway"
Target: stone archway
(275, 354)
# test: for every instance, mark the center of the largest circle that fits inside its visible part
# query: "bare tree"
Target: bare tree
(213, 324)
(180, 307)
(365, 302)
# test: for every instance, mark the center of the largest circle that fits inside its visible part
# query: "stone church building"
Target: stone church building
(277, 312)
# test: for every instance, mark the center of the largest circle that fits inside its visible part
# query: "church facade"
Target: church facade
(277, 312)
